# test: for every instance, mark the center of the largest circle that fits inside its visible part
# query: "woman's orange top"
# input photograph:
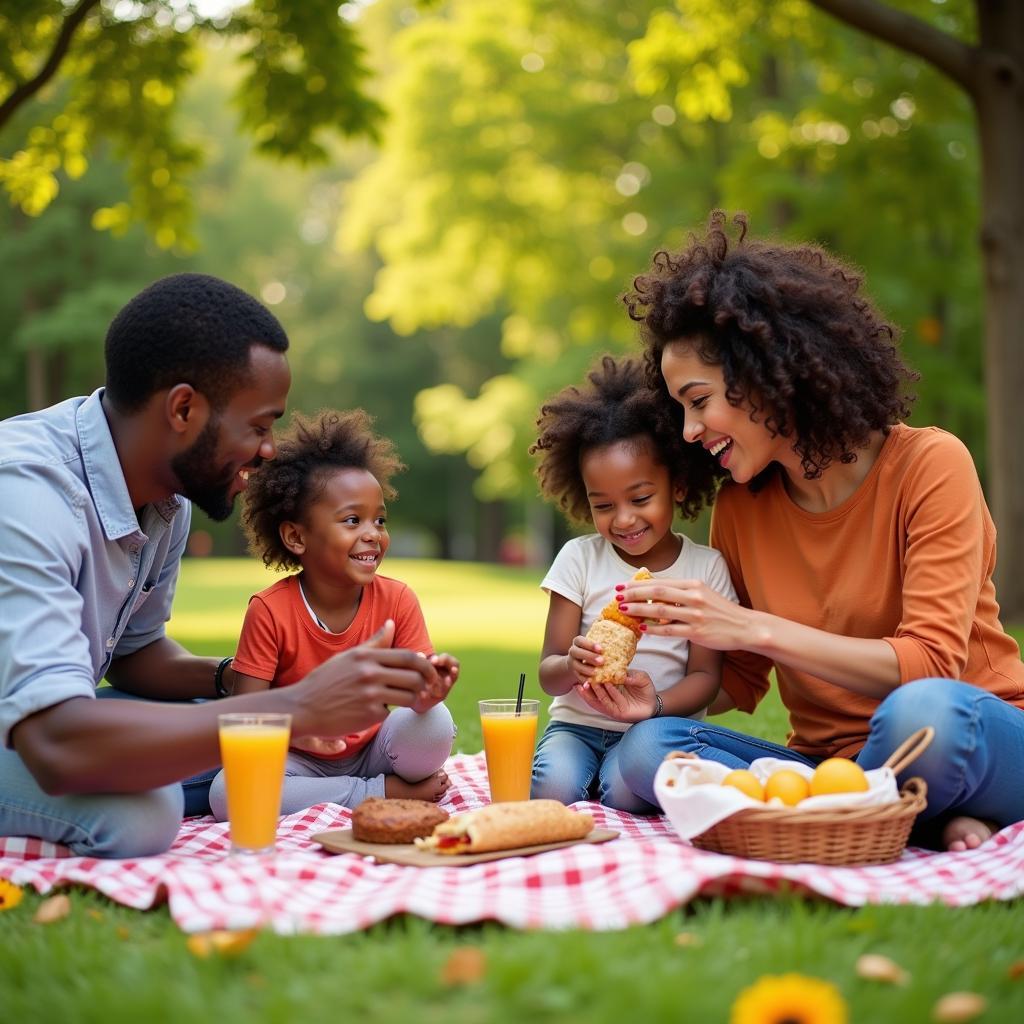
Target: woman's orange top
(907, 558)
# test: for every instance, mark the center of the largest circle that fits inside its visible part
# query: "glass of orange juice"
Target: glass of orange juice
(253, 748)
(509, 739)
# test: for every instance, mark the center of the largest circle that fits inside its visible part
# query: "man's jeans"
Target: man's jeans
(972, 766)
(105, 825)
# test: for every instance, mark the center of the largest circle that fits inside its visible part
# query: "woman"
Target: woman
(861, 549)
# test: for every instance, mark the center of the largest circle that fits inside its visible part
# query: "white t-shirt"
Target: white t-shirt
(585, 572)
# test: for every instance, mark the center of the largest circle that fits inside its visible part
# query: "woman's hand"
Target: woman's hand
(690, 609)
(632, 702)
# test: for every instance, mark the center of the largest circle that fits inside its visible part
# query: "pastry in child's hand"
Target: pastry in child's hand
(505, 826)
(382, 820)
(618, 635)
(618, 646)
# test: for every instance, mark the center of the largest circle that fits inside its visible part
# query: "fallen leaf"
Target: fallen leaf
(220, 943)
(53, 909)
(1016, 970)
(958, 1007)
(686, 940)
(875, 967)
(96, 915)
(465, 965)
(123, 933)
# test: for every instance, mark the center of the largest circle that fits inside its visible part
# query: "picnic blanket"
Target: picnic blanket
(632, 880)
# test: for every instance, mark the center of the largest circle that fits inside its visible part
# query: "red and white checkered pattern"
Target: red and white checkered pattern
(636, 878)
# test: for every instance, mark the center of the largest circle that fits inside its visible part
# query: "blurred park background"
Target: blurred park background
(444, 200)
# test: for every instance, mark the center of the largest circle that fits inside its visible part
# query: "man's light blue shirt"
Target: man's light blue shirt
(82, 580)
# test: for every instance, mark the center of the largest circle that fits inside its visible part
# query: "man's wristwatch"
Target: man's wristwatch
(659, 706)
(218, 678)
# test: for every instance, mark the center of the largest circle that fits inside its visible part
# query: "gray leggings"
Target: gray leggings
(408, 745)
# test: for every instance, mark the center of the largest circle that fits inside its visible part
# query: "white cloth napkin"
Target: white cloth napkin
(693, 801)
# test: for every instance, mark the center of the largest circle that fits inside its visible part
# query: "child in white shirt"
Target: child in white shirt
(613, 455)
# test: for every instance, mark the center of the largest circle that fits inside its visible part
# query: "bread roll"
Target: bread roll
(505, 826)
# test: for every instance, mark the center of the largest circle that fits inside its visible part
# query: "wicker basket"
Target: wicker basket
(860, 835)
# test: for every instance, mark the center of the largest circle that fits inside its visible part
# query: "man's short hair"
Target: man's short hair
(187, 328)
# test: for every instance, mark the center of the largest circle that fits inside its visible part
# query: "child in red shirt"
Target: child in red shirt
(319, 507)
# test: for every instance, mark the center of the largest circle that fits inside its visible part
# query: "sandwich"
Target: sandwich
(505, 826)
(618, 635)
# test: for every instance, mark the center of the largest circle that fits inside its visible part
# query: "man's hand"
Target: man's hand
(83, 745)
(447, 669)
(354, 689)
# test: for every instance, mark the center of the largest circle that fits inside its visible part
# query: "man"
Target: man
(92, 530)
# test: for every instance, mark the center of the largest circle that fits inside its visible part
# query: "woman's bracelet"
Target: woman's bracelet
(659, 706)
(218, 678)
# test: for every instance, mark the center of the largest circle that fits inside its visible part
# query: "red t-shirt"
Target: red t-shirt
(281, 643)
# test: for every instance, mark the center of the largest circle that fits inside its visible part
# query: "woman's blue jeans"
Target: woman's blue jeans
(972, 767)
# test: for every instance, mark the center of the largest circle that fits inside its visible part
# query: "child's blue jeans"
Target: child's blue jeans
(972, 766)
(577, 762)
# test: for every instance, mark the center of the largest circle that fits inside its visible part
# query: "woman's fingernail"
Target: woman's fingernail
(622, 607)
(643, 627)
(620, 586)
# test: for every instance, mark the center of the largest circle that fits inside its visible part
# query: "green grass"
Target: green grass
(108, 964)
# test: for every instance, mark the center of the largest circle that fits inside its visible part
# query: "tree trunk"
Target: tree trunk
(35, 379)
(490, 530)
(992, 73)
(461, 511)
(999, 100)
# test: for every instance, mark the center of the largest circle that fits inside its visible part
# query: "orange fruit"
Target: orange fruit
(789, 786)
(838, 775)
(746, 782)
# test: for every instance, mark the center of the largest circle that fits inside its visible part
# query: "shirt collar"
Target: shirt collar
(105, 476)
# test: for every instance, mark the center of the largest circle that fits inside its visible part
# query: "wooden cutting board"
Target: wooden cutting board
(341, 841)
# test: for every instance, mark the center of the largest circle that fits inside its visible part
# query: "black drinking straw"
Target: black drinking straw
(519, 696)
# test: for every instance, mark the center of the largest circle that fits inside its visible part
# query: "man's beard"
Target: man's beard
(201, 482)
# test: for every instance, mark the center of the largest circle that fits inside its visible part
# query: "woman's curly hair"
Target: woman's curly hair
(618, 406)
(810, 355)
(308, 452)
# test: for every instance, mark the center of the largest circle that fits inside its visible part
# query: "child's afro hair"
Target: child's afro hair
(618, 405)
(308, 451)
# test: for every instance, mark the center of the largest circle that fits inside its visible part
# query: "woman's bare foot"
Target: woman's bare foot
(433, 787)
(963, 833)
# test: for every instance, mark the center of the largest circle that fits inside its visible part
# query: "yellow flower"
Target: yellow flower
(789, 999)
(10, 895)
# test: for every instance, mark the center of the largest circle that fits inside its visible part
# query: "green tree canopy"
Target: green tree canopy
(538, 151)
(113, 72)
(268, 228)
